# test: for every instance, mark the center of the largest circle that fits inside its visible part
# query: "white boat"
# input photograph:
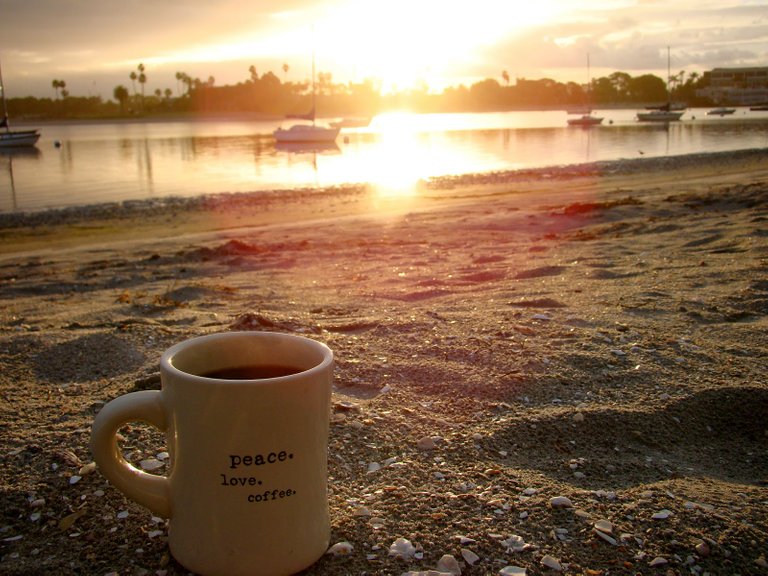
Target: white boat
(308, 132)
(667, 112)
(14, 138)
(18, 138)
(721, 111)
(586, 118)
(660, 115)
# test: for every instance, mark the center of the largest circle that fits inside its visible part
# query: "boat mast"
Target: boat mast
(589, 88)
(4, 119)
(669, 79)
(313, 85)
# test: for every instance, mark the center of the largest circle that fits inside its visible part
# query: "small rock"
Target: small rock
(469, 557)
(426, 443)
(560, 502)
(449, 564)
(403, 549)
(658, 561)
(578, 417)
(662, 514)
(703, 549)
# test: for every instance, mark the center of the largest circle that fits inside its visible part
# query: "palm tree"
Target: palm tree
(254, 74)
(142, 81)
(285, 71)
(133, 77)
(57, 85)
(505, 77)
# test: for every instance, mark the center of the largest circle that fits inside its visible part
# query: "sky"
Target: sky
(93, 46)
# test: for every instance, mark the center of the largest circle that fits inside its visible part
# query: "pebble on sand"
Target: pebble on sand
(403, 549)
(560, 502)
(449, 564)
(469, 557)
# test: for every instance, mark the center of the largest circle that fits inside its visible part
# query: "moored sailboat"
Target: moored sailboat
(14, 138)
(586, 118)
(665, 113)
(308, 132)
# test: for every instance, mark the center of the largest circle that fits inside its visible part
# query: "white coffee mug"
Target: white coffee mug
(246, 492)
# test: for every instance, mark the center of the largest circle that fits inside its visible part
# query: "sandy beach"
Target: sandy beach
(560, 370)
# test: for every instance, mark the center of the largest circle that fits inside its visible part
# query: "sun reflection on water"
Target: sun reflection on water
(404, 155)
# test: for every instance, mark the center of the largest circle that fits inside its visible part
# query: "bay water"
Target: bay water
(81, 163)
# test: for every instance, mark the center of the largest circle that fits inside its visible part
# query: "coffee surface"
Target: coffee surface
(254, 372)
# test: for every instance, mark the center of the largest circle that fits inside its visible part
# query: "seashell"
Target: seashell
(512, 571)
(658, 561)
(610, 539)
(551, 562)
(341, 549)
(150, 464)
(662, 514)
(376, 522)
(514, 543)
(604, 526)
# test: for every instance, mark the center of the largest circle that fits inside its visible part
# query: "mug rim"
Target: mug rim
(168, 355)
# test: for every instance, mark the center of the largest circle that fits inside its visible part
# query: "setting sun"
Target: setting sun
(407, 44)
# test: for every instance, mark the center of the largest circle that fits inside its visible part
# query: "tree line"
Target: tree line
(267, 94)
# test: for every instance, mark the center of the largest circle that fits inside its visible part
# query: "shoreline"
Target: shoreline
(435, 189)
(559, 372)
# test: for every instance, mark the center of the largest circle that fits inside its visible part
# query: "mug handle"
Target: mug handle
(147, 489)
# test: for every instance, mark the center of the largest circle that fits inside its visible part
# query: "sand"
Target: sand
(595, 334)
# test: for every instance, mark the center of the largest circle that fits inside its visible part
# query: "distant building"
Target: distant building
(736, 86)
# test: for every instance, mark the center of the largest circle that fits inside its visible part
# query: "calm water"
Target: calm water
(77, 164)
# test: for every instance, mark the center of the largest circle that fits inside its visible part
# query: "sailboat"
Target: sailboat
(586, 118)
(307, 132)
(664, 113)
(14, 138)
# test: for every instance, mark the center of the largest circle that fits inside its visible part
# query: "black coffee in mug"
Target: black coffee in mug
(254, 372)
